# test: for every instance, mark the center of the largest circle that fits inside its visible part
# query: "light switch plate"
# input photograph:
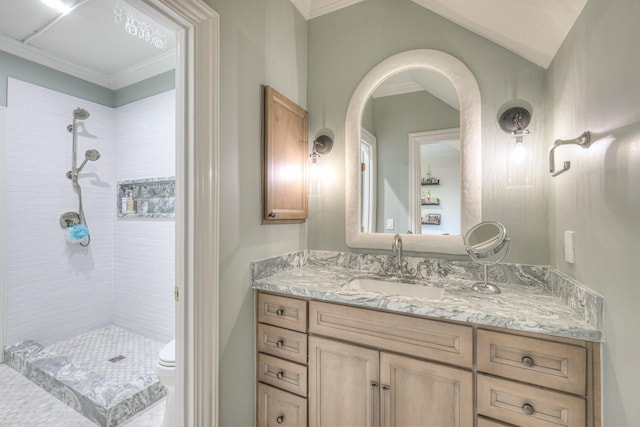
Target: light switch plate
(570, 247)
(389, 223)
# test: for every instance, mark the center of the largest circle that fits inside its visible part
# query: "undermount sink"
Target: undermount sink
(395, 288)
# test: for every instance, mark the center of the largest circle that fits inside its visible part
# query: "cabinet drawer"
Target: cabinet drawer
(486, 422)
(423, 338)
(283, 343)
(277, 407)
(281, 373)
(548, 364)
(282, 311)
(527, 405)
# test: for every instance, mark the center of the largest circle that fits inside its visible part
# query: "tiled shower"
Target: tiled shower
(63, 299)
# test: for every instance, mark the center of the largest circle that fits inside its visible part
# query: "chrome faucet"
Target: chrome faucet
(396, 247)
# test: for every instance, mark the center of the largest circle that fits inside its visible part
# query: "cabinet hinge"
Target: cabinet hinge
(176, 293)
(363, 167)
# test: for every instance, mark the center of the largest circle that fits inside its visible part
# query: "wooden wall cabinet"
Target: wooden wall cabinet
(285, 153)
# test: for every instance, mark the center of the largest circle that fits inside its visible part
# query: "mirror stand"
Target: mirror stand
(485, 287)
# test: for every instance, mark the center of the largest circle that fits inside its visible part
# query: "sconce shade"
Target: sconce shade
(323, 144)
(515, 120)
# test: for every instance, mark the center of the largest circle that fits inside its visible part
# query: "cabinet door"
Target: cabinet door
(340, 390)
(426, 394)
(286, 153)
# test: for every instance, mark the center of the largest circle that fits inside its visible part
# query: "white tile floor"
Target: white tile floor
(24, 404)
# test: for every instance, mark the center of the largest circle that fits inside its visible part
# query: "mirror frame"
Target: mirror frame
(470, 141)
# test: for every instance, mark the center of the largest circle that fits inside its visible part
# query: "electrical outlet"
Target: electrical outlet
(570, 247)
(389, 223)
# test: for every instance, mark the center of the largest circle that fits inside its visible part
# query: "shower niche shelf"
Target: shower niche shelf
(151, 198)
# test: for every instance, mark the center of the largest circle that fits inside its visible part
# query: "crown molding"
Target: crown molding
(397, 89)
(303, 6)
(136, 73)
(313, 8)
(144, 70)
(38, 56)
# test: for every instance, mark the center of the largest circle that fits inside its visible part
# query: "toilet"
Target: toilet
(166, 372)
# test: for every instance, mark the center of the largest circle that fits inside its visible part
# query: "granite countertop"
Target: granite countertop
(533, 299)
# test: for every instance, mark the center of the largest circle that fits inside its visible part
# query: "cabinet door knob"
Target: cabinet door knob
(528, 409)
(279, 343)
(279, 375)
(280, 419)
(528, 361)
(272, 214)
(279, 312)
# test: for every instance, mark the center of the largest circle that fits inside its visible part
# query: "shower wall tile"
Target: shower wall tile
(126, 276)
(144, 249)
(56, 290)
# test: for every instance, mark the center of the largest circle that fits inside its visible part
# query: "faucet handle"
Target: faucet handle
(420, 266)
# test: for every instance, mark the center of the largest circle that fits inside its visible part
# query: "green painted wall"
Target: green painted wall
(345, 45)
(144, 89)
(262, 42)
(594, 84)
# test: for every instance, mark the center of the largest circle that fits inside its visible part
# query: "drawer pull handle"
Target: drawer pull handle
(528, 409)
(383, 416)
(272, 215)
(280, 375)
(280, 419)
(528, 361)
(279, 312)
(373, 385)
(280, 343)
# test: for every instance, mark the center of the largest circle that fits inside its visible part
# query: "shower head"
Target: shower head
(89, 155)
(80, 114)
(92, 155)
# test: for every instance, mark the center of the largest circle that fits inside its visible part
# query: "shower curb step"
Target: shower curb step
(104, 402)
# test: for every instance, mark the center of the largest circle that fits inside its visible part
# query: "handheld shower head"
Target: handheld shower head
(92, 155)
(89, 155)
(80, 114)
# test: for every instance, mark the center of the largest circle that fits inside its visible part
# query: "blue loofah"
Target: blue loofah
(77, 233)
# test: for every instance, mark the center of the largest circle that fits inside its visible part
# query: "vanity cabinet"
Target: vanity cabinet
(328, 364)
(379, 376)
(282, 361)
(536, 381)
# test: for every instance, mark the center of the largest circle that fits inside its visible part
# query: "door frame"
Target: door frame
(197, 279)
(416, 140)
(3, 227)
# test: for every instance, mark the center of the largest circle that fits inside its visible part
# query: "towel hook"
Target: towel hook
(583, 141)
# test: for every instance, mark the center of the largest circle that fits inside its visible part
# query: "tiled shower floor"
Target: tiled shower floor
(78, 371)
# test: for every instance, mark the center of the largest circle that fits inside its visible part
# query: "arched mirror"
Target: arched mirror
(385, 188)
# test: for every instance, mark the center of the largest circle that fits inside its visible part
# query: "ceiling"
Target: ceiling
(533, 29)
(88, 44)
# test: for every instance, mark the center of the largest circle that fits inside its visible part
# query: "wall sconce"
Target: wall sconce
(515, 121)
(321, 145)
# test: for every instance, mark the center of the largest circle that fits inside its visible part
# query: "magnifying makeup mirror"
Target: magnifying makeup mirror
(487, 244)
